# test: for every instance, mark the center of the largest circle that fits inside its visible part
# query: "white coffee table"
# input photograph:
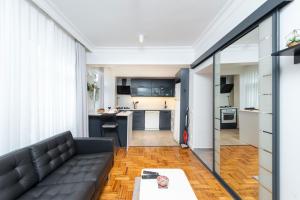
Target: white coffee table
(179, 187)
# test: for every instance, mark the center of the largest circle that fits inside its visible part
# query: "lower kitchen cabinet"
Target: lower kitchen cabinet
(95, 128)
(138, 122)
(152, 120)
(142, 122)
(165, 120)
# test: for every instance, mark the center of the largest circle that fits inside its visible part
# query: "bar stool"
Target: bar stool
(109, 122)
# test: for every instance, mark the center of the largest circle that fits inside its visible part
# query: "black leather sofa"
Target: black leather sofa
(58, 168)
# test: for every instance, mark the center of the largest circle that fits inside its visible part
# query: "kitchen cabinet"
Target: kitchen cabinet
(95, 126)
(152, 120)
(141, 87)
(138, 122)
(182, 77)
(124, 128)
(163, 87)
(153, 87)
(165, 120)
(146, 83)
(249, 127)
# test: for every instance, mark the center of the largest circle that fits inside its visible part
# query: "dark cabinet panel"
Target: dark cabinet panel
(157, 86)
(163, 88)
(140, 87)
(155, 92)
(168, 88)
(95, 129)
(165, 120)
(153, 87)
(138, 121)
(122, 130)
(141, 92)
(160, 83)
(146, 83)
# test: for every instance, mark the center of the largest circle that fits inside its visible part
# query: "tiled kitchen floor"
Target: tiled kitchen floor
(153, 138)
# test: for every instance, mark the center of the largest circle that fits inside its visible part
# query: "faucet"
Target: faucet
(134, 104)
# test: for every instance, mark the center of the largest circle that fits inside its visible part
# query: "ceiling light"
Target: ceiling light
(141, 38)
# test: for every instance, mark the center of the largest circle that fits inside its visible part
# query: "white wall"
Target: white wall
(152, 56)
(201, 106)
(289, 109)
(109, 88)
(144, 70)
(146, 102)
(228, 18)
(246, 53)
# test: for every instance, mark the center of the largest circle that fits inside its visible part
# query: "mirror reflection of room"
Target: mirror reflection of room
(239, 115)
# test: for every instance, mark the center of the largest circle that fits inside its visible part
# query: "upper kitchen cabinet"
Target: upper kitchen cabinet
(153, 87)
(141, 87)
(163, 87)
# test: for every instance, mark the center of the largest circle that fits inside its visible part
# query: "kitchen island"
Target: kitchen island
(124, 120)
(249, 127)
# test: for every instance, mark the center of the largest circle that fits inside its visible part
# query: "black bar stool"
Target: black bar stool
(109, 122)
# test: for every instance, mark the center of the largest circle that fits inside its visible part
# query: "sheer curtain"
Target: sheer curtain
(37, 76)
(81, 91)
(250, 87)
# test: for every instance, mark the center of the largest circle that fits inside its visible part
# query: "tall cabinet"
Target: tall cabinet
(182, 77)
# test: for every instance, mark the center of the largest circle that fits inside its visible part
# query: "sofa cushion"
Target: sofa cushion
(51, 153)
(17, 174)
(74, 191)
(85, 167)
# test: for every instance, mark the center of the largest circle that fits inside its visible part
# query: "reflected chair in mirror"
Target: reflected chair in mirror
(110, 128)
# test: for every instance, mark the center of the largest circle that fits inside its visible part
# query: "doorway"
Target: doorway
(201, 112)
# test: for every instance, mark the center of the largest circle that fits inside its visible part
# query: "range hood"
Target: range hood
(226, 84)
(226, 88)
(124, 88)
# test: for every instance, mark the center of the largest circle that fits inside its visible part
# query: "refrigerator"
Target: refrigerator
(176, 133)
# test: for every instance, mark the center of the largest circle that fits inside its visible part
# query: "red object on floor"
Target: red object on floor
(186, 125)
(185, 136)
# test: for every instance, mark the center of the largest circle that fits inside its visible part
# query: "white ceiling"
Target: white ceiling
(117, 23)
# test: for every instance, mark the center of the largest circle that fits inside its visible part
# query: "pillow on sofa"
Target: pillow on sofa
(17, 174)
(51, 153)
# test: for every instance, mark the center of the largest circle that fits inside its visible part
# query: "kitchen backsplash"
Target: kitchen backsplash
(146, 102)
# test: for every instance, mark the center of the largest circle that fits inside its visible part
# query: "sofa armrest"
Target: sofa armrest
(94, 145)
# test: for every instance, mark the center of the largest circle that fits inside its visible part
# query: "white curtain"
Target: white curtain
(37, 76)
(81, 91)
(250, 87)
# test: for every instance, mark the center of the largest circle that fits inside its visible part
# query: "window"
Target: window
(37, 76)
(250, 87)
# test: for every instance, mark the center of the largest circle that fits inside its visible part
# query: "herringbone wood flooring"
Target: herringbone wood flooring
(238, 166)
(129, 164)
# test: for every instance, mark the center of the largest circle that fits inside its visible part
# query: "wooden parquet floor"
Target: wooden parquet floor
(238, 166)
(129, 164)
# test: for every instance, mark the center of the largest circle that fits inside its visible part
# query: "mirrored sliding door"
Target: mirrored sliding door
(243, 114)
